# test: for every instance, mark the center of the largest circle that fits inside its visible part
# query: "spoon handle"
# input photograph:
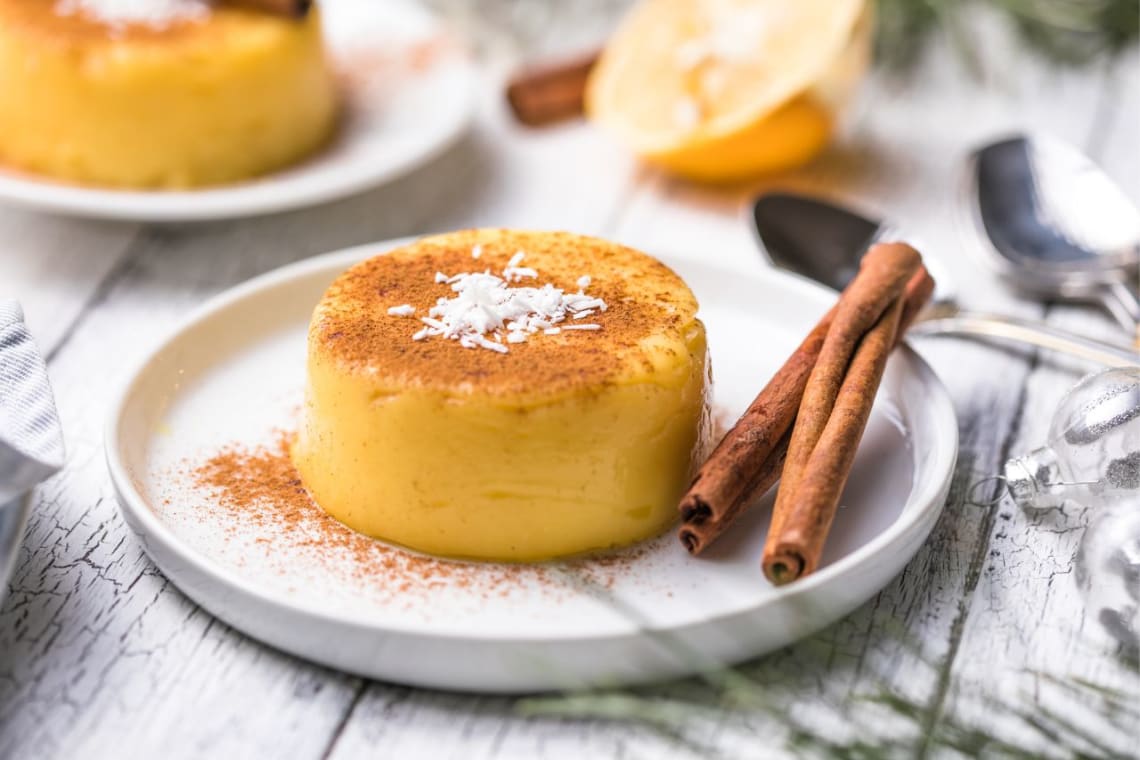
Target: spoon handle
(1124, 303)
(938, 322)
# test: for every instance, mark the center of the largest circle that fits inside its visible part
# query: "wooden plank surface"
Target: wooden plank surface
(54, 266)
(1027, 640)
(100, 656)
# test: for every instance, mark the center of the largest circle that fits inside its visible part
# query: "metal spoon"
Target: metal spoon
(824, 243)
(1057, 226)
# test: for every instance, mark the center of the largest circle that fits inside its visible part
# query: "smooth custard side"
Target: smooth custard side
(572, 447)
(471, 479)
(206, 102)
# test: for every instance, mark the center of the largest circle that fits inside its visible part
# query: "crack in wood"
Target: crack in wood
(106, 286)
(358, 691)
(973, 575)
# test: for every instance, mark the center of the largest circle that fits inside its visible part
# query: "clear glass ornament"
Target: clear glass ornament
(1093, 451)
(1108, 572)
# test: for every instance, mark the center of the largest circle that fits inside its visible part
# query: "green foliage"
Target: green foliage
(1064, 31)
(1064, 730)
(1047, 709)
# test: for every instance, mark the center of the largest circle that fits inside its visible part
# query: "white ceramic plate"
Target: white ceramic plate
(410, 92)
(234, 372)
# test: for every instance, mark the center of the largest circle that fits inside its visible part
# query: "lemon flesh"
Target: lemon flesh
(568, 444)
(234, 95)
(722, 90)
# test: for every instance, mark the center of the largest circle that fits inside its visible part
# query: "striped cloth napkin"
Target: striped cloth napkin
(31, 443)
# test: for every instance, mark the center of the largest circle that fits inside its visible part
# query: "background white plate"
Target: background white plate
(234, 372)
(401, 113)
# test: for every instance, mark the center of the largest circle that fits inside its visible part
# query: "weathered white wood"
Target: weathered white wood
(563, 177)
(99, 656)
(1028, 636)
(53, 266)
(99, 651)
(1114, 145)
(1026, 622)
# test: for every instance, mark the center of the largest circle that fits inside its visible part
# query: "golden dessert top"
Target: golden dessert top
(366, 322)
(71, 23)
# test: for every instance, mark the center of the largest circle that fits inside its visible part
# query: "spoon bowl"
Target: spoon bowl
(1054, 225)
(824, 241)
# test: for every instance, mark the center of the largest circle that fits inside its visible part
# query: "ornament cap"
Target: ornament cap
(1034, 480)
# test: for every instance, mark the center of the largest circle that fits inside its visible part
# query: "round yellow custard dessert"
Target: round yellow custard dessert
(503, 395)
(205, 96)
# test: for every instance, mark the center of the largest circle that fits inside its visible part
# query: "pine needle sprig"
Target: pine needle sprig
(1063, 31)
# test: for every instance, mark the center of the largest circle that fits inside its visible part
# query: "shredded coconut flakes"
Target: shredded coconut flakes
(491, 305)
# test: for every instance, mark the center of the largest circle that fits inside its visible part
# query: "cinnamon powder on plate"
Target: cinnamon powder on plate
(257, 489)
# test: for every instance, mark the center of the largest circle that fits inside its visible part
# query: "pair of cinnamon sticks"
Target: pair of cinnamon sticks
(805, 425)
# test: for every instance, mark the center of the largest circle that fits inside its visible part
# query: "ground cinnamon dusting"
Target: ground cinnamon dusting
(260, 486)
(352, 325)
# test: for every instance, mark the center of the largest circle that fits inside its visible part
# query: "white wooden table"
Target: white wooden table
(101, 657)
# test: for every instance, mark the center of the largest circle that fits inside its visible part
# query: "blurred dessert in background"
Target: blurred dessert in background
(161, 93)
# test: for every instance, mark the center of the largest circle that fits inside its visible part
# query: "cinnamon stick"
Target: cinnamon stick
(747, 461)
(552, 92)
(918, 293)
(287, 8)
(750, 457)
(876, 290)
(794, 547)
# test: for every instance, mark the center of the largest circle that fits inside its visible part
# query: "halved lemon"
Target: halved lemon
(721, 90)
